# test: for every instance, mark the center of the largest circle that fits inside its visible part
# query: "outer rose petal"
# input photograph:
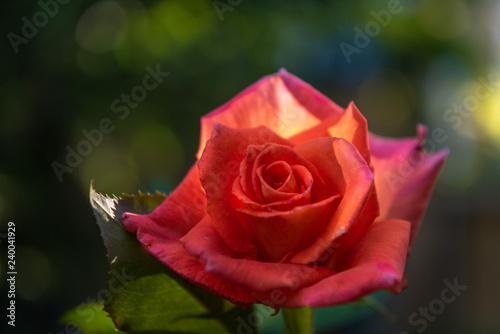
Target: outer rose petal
(171, 253)
(218, 167)
(404, 177)
(281, 102)
(342, 167)
(204, 242)
(376, 263)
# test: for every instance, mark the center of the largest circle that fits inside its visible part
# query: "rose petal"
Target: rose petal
(404, 177)
(284, 205)
(289, 188)
(277, 234)
(275, 152)
(350, 125)
(204, 242)
(281, 169)
(251, 190)
(376, 263)
(172, 254)
(358, 230)
(281, 102)
(277, 179)
(347, 172)
(218, 167)
(270, 194)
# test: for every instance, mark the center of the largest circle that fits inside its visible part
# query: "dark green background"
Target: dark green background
(428, 58)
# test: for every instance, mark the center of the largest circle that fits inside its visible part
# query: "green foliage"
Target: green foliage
(91, 319)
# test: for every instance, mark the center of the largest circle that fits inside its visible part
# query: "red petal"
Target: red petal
(295, 200)
(404, 177)
(273, 153)
(357, 231)
(277, 181)
(246, 177)
(204, 242)
(281, 102)
(171, 253)
(344, 170)
(277, 234)
(376, 263)
(219, 166)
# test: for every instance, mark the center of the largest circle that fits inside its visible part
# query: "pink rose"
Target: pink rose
(292, 202)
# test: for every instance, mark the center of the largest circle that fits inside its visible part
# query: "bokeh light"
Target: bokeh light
(102, 27)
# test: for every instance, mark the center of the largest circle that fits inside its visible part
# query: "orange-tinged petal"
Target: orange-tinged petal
(350, 125)
(357, 231)
(344, 170)
(281, 102)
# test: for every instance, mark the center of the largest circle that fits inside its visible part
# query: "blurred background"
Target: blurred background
(68, 65)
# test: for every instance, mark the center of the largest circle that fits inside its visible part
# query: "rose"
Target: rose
(292, 202)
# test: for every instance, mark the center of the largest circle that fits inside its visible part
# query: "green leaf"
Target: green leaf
(299, 321)
(91, 319)
(145, 296)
